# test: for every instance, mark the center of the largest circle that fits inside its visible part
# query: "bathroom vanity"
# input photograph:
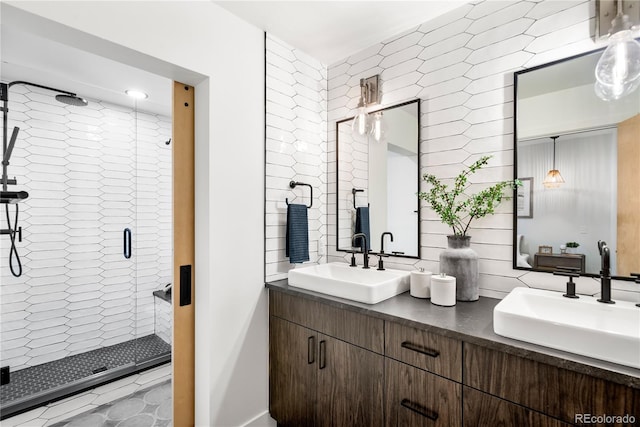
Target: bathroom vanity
(405, 362)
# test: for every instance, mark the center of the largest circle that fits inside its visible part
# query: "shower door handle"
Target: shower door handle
(127, 243)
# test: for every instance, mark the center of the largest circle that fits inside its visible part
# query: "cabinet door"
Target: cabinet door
(292, 373)
(350, 384)
(481, 409)
(418, 398)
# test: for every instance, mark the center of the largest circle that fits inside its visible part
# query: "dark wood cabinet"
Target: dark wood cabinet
(350, 385)
(482, 409)
(335, 366)
(418, 398)
(551, 262)
(292, 372)
(552, 391)
(425, 350)
(317, 379)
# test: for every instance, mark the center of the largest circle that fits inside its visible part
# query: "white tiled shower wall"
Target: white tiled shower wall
(90, 172)
(460, 65)
(296, 149)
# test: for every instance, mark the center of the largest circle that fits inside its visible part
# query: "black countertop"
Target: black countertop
(471, 322)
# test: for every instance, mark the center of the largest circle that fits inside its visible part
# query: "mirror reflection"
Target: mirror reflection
(577, 157)
(378, 179)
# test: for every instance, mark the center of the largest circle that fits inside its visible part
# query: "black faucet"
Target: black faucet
(382, 254)
(569, 272)
(364, 246)
(605, 274)
(382, 240)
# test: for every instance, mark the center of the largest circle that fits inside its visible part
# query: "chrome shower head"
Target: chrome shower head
(72, 100)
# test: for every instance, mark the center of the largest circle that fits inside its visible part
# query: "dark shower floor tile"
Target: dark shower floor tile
(47, 376)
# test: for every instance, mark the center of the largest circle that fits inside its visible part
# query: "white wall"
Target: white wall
(401, 205)
(201, 44)
(461, 66)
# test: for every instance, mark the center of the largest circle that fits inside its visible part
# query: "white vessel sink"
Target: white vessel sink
(584, 326)
(355, 283)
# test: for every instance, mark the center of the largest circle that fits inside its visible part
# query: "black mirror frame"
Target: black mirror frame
(402, 104)
(515, 160)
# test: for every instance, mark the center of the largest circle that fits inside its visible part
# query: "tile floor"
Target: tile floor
(151, 407)
(90, 400)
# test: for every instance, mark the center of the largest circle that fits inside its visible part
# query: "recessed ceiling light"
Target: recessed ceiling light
(136, 94)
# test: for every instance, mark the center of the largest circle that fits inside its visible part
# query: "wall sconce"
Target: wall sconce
(553, 178)
(369, 95)
(618, 70)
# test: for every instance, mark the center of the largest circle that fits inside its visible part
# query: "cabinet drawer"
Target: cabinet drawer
(431, 352)
(481, 409)
(349, 326)
(417, 398)
(553, 391)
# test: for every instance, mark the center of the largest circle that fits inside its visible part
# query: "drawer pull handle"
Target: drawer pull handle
(419, 409)
(323, 354)
(311, 350)
(420, 349)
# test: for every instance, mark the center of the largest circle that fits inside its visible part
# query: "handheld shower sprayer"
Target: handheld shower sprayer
(8, 144)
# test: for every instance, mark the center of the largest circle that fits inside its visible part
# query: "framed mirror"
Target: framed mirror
(378, 179)
(594, 146)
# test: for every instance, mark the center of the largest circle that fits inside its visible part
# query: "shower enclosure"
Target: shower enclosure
(85, 265)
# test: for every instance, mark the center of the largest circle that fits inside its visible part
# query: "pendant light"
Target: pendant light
(553, 178)
(618, 70)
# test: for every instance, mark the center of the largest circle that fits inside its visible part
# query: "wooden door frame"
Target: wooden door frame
(183, 358)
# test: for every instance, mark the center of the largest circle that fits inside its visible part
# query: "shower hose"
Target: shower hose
(13, 253)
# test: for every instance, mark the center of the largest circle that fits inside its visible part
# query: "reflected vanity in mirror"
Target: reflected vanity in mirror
(578, 157)
(378, 177)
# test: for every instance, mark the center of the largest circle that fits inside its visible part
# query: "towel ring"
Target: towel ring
(354, 191)
(293, 184)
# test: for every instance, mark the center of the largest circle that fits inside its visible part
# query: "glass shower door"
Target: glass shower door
(153, 242)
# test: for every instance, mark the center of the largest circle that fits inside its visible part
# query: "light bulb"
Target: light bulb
(377, 128)
(360, 125)
(618, 69)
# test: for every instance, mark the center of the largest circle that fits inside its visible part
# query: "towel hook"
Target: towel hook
(292, 184)
(354, 191)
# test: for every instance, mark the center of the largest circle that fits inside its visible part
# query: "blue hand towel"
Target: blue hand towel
(297, 234)
(362, 226)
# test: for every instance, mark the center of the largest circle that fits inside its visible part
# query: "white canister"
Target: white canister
(420, 284)
(443, 290)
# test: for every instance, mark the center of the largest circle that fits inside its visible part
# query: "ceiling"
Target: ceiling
(28, 57)
(332, 30)
(327, 30)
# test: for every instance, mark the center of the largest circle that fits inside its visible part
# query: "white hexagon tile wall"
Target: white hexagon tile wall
(460, 65)
(296, 149)
(90, 172)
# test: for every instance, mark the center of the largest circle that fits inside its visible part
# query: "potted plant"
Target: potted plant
(458, 209)
(571, 247)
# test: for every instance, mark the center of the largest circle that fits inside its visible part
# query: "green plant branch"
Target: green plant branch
(459, 214)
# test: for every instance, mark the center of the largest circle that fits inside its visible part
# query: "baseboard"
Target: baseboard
(262, 420)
